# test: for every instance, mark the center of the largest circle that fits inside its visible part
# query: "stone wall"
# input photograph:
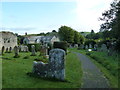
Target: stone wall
(7, 39)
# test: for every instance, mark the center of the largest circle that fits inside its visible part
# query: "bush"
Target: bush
(92, 42)
(61, 45)
(37, 47)
(26, 57)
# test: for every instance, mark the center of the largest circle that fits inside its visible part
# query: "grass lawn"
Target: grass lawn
(107, 65)
(14, 73)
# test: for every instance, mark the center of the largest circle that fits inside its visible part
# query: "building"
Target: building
(40, 39)
(7, 40)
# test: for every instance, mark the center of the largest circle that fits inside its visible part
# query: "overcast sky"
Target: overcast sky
(45, 16)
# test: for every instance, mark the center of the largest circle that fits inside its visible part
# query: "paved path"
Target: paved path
(92, 77)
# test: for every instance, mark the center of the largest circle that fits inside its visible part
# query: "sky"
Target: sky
(44, 16)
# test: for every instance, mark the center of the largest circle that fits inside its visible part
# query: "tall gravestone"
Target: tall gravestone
(6, 50)
(16, 51)
(3, 49)
(33, 50)
(55, 68)
(90, 46)
(86, 47)
(10, 49)
(57, 64)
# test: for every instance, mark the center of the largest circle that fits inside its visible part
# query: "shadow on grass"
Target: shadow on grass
(46, 78)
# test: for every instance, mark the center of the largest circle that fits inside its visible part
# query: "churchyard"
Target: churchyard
(15, 72)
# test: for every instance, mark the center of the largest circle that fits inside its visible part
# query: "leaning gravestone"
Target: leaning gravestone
(33, 50)
(55, 68)
(16, 50)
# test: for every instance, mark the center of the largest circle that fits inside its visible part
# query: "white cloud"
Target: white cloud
(88, 12)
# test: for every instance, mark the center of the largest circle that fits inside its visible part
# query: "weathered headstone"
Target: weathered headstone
(3, 49)
(104, 48)
(90, 46)
(6, 50)
(16, 51)
(55, 68)
(26, 48)
(10, 49)
(57, 64)
(86, 47)
(76, 45)
(33, 50)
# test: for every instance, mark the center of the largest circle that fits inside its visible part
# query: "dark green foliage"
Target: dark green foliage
(62, 45)
(92, 42)
(37, 47)
(66, 34)
(16, 56)
(26, 57)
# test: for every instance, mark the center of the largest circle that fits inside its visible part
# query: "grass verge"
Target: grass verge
(107, 64)
(14, 72)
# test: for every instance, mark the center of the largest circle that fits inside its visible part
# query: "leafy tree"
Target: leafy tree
(111, 19)
(66, 34)
(76, 37)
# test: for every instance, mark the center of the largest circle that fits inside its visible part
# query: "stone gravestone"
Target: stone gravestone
(33, 50)
(90, 46)
(26, 48)
(6, 50)
(86, 47)
(10, 49)
(104, 48)
(76, 45)
(16, 50)
(55, 68)
(3, 49)
(57, 64)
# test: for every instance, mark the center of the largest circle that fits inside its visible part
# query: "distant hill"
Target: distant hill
(84, 33)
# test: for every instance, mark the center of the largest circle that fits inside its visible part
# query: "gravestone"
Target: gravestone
(82, 46)
(26, 48)
(10, 49)
(57, 64)
(33, 50)
(3, 49)
(76, 45)
(104, 48)
(86, 47)
(90, 46)
(55, 68)
(16, 51)
(6, 50)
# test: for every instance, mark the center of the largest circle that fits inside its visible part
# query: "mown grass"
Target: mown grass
(107, 64)
(14, 72)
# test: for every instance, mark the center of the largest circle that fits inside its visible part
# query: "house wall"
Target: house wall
(7, 39)
(54, 39)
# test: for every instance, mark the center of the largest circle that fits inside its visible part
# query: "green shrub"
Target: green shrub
(62, 45)
(92, 42)
(37, 46)
(26, 57)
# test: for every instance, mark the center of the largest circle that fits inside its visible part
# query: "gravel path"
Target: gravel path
(92, 76)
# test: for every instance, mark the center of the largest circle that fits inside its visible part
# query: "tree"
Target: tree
(76, 37)
(111, 19)
(54, 31)
(66, 34)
